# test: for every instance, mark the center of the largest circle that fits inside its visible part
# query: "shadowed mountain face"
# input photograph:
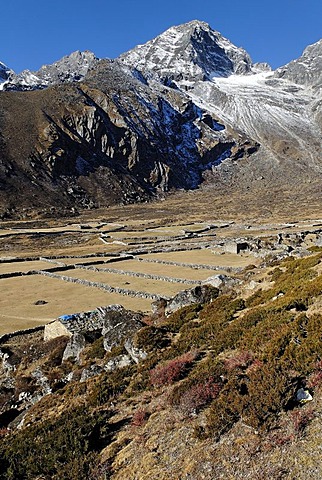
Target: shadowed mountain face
(110, 139)
(186, 106)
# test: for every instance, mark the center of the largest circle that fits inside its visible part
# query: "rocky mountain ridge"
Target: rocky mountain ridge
(280, 110)
(168, 114)
(71, 68)
(189, 53)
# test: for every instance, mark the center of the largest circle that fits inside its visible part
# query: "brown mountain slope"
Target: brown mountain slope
(109, 140)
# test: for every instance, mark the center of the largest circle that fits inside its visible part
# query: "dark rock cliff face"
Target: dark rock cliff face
(110, 139)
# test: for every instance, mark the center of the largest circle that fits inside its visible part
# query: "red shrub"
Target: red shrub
(255, 365)
(139, 418)
(3, 431)
(301, 419)
(171, 371)
(315, 379)
(198, 396)
(240, 360)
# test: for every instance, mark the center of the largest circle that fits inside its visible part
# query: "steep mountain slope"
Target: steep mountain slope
(107, 140)
(230, 388)
(168, 114)
(306, 70)
(281, 111)
(189, 52)
(5, 74)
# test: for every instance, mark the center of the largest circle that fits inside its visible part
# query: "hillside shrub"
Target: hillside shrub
(151, 338)
(140, 417)
(59, 448)
(191, 398)
(172, 371)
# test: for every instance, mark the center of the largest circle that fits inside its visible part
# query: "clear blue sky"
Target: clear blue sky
(36, 32)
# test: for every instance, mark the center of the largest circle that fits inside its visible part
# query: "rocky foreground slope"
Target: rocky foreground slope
(185, 107)
(229, 387)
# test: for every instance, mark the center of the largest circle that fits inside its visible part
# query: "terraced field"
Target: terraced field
(119, 264)
(51, 269)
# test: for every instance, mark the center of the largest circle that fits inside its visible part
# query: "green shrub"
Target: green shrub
(181, 317)
(151, 338)
(59, 448)
(96, 350)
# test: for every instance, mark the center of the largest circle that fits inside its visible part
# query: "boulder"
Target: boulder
(119, 326)
(220, 280)
(92, 371)
(303, 396)
(118, 362)
(199, 294)
(135, 353)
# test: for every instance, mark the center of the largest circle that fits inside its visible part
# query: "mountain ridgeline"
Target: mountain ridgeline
(186, 108)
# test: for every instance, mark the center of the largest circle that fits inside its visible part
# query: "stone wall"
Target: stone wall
(102, 286)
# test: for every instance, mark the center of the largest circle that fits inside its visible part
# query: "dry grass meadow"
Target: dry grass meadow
(139, 228)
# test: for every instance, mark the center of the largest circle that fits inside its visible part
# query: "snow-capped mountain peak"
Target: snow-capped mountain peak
(5, 74)
(306, 70)
(189, 52)
(70, 68)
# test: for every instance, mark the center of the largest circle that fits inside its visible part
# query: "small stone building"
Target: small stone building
(68, 325)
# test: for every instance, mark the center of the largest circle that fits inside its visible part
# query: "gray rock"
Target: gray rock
(135, 353)
(199, 294)
(220, 280)
(74, 347)
(90, 372)
(118, 362)
(303, 396)
(42, 381)
(119, 326)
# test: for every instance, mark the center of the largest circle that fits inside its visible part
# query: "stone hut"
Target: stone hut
(68, 325)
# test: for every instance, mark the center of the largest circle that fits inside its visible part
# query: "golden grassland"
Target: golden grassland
(162, 219)
(204, 257)
(19, 294)
(128, 282)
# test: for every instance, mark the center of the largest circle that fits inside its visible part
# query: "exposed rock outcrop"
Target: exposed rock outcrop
(201, 294)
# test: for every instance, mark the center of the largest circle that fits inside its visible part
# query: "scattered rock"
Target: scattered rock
(303, 396)
(118, 362)
(199, 294)
(92, 371)
(220, 280)
(119, 326)
(74, 347)
(40, 302)
(135, 353)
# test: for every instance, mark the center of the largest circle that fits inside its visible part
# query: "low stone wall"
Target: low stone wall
(191, 265)
(35, 272)
(103, 286)
(7, 336)
(148, 276)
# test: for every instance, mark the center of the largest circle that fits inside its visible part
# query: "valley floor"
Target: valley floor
(136, 254)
